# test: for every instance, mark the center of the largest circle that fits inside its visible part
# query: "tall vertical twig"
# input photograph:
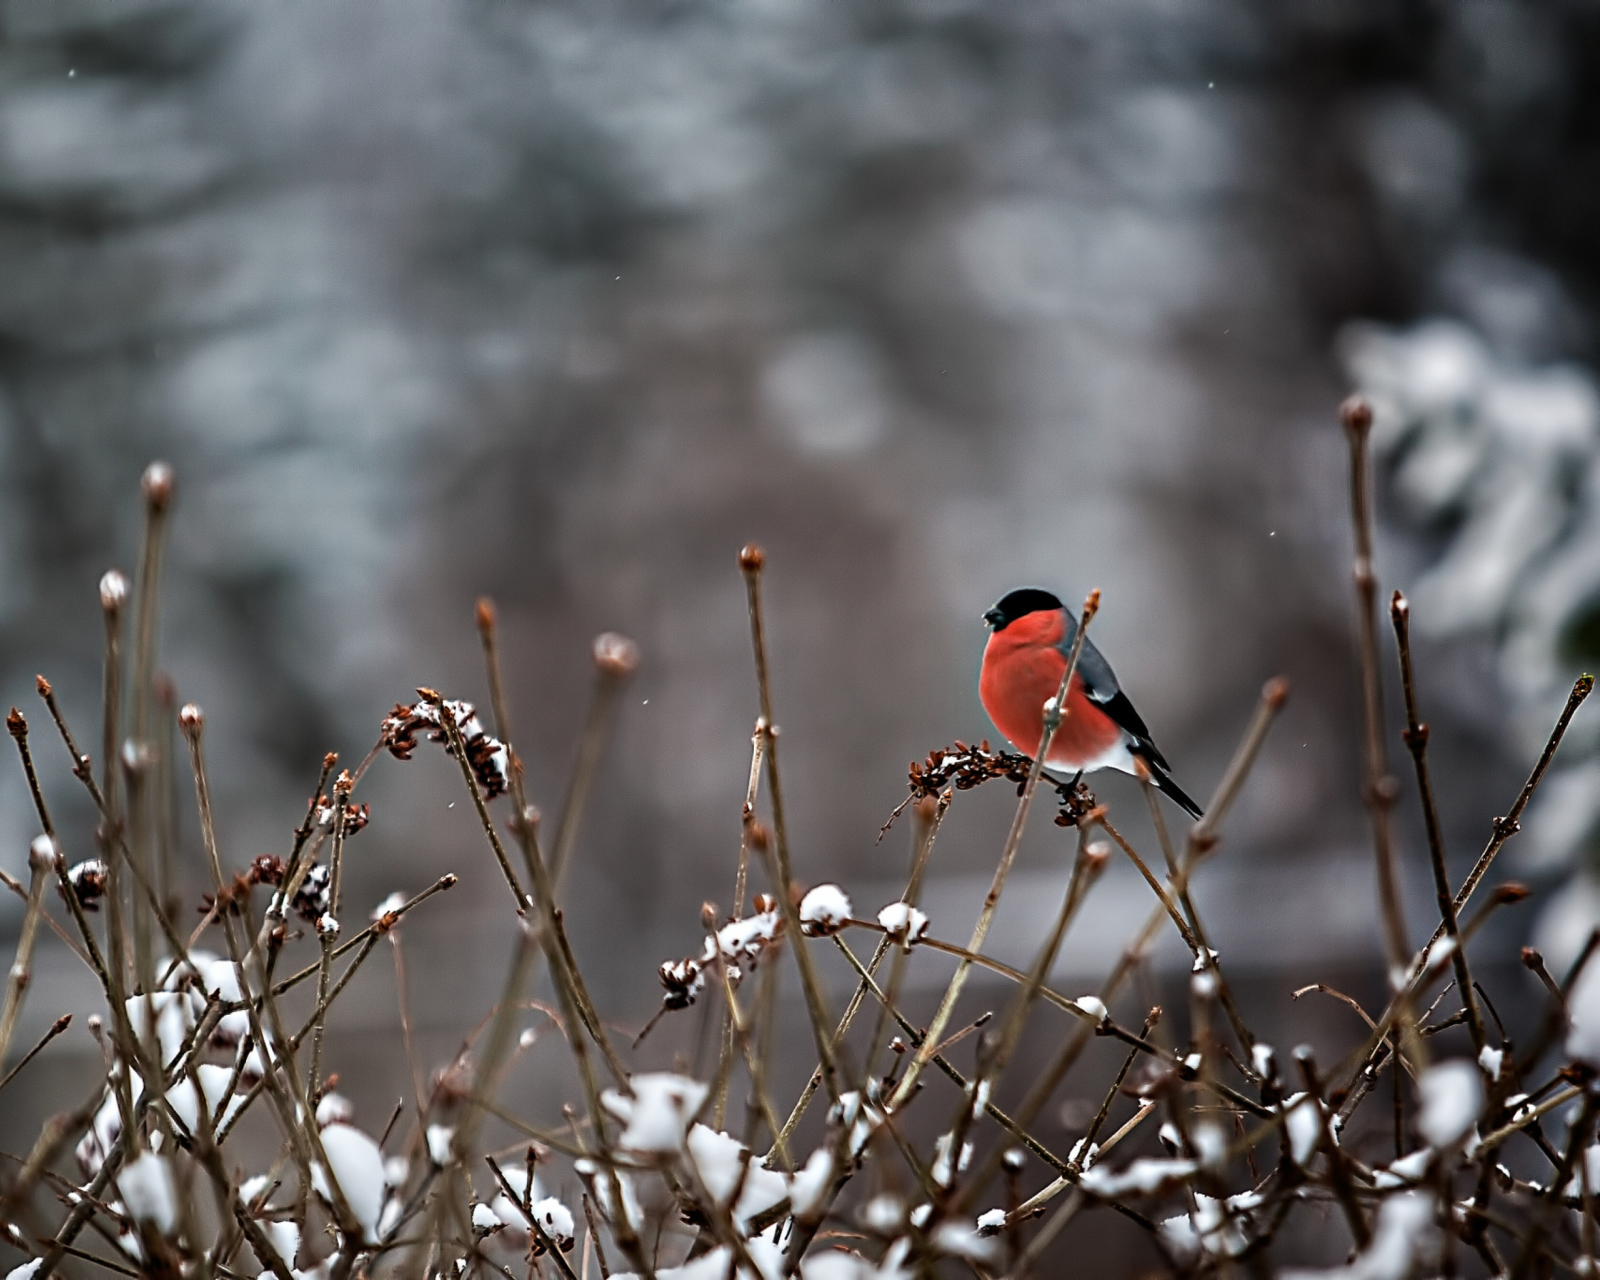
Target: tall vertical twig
(1379, 788)
(144, 752)
(615, 659)
(751, 561)
(1415, 737)
(113, 596)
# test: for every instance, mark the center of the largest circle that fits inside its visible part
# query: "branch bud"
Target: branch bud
(486, 615)
(113, 591)
(190, 718)
(752, 558)
(158, 484)
(615, 656)
(1356, 415)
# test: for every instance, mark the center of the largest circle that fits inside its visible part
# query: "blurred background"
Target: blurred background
(563, 303)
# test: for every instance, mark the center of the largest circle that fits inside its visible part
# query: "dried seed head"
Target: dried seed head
(1275, 692)
(708, 915)
(1399, 607)
(343, 785)
(615, 656)
(1531, 958)
(1510, 892)
(486, 614)
(1095, 854)
(17, 724)
(158, 484)
(113, 590)
(190, 718)
(1091, 604)
(43, 686)
(752, 558)
(760, 837)
(1356, 415)
(1014, 1159)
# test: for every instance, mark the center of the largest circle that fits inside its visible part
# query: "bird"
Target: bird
(1030, 640)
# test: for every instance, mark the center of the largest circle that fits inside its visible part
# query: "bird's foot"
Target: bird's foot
(1076, 801)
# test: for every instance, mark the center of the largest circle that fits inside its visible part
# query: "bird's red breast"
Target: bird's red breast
(1022, 668)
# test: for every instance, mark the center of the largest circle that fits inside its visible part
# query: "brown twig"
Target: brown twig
(1416, 740)
(751, 561)
(1509, 825)
(56, 1028)
(1380, 789)
(41, 862)
(615, 659)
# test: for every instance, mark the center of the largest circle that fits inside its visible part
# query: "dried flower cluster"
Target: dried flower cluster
(737, 947)
(490, 761)
(962, 768)
(1433, 1145)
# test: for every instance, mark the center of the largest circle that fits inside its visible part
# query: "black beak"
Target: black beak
(995, 618)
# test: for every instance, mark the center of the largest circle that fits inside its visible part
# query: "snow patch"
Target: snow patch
(824, 911)
(658, 1115)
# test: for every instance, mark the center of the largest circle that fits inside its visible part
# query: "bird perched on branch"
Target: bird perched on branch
(1030, 641)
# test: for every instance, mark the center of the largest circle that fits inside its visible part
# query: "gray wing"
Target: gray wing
(1100, 683)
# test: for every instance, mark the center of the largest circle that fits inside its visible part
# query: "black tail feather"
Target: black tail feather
(1174, 792)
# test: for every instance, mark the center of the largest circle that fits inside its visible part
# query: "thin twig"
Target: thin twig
(1379, 787)
(56, 1028)
(919, 862)
(1509, 825)
(751, 561)
(1416, 740)
(615, 659)
(41, 862)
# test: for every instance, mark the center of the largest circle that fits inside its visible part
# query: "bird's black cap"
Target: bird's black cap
(1018, 604)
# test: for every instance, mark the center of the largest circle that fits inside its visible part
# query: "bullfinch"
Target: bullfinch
(1030, 640)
